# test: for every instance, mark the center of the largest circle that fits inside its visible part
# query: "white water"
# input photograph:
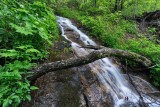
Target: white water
(108, 74)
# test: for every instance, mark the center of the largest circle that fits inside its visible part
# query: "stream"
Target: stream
(109, 75)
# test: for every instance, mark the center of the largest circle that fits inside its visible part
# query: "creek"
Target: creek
(109, 75)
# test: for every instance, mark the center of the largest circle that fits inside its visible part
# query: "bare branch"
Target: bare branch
(93, 56)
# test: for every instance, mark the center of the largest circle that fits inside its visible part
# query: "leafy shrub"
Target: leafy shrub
(132, 8)
(94, 25)
(27, 29)
(14, 87)
(155, 74)
(73, 4)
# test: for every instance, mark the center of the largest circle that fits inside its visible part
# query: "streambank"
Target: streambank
(99, 84)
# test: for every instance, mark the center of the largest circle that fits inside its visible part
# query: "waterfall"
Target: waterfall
(107, 72)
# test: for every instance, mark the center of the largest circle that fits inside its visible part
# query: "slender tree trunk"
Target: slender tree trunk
(95, 3)
(118, 5)
(122, 2)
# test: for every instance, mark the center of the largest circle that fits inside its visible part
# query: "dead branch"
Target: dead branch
(93, 56)
(92, 47)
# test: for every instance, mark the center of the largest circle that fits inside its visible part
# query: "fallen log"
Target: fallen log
(82, 60)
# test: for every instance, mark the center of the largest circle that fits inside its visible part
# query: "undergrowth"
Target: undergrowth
(114, 30)
(27, 29)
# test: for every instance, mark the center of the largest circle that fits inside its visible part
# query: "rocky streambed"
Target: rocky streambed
(93, 85)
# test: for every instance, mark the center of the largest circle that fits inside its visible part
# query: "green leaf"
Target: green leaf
(28, 97)
(32, 51)
(5, 103)
(34, 88)
(2, 31)
(24, 47)
(10, 101)
(43, 33)
(26, 30)
(8, 53)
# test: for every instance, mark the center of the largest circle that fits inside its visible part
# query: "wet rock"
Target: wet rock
(61, 44)
(56, 89)
(96, 97)
(144, 87)
(68, 29)
(74, 37)
(70, 88)
(94, 94)
(141, 84)
(129, 104)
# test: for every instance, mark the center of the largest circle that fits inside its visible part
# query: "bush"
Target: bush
(155, 74)
(27, 29)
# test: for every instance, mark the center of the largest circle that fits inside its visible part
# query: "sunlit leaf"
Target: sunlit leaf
(34, 88)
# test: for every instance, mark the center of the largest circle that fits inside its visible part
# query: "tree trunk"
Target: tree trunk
(95, 3)
(93, 56)
(118, 5)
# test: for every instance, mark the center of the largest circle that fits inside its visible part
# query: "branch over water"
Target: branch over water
(91, 57)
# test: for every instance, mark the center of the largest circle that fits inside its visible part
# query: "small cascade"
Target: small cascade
(108, 74)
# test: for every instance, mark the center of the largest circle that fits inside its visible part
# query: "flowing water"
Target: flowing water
(107, 72)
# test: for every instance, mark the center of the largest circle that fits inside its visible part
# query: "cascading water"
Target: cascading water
(108, 74)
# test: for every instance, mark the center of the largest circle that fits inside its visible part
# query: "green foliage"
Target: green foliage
(137, 7)
(39, 27)
(129, 7)
(141, 46)
(14, 87)
(155, 74)
(113, 29)
(24, 52)
(94, 25)
(147, 48)
(27, 29)
(73, 4)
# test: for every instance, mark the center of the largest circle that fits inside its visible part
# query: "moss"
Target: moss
(60, 50)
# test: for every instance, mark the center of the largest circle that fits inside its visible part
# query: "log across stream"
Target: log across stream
(108, 74)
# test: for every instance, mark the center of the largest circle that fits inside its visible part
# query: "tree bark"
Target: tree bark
(93, 56)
